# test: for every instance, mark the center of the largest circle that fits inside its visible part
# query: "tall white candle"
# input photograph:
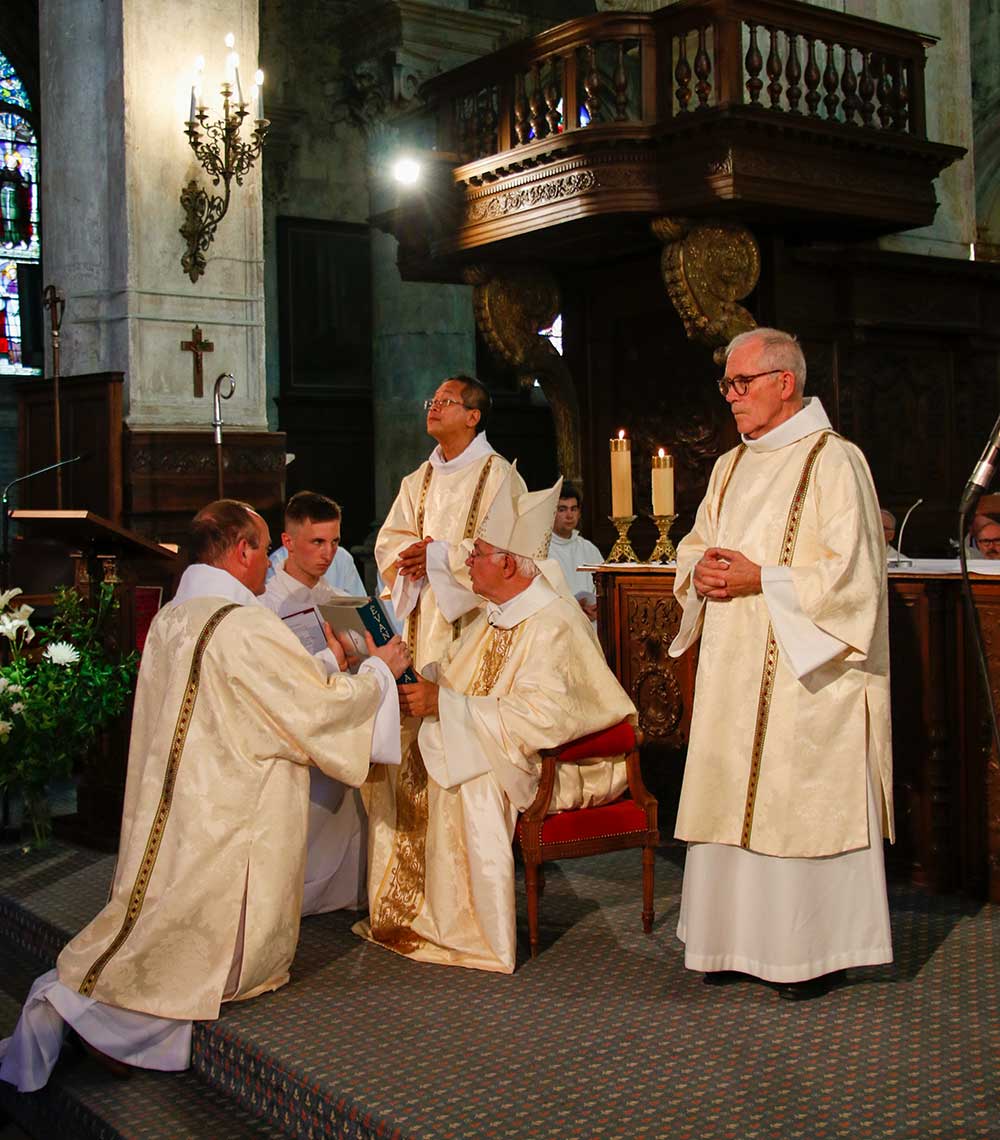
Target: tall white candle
(662, 476)
(621, 476)
(259, 81)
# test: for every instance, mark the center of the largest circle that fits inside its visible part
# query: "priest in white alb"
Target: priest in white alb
(230, 712)
(335, 852)
(787, 788)
(526, 675)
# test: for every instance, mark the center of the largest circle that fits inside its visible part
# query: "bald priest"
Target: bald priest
(230, 711)
(526, 675)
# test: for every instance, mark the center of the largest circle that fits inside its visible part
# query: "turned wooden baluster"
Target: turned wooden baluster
(682, 74)
(812, 78)
(774, 70)
(703, 71)
(901, 102)
(487, 123)
(793, 73)
(552, 116)
(620, 83)
(849, 86)
(830, 82)
(468, 120)
(883, 93)
(754, 64)
(866, 89)
(522, 132)
(592, 85)
(536, 103)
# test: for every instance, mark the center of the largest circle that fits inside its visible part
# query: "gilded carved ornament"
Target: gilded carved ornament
(708, 268)
(511, 305)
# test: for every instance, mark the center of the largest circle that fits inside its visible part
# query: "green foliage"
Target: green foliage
(56, 697)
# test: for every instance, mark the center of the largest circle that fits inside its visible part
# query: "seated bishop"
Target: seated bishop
(335, 851)
(528, 674)
(230, 713)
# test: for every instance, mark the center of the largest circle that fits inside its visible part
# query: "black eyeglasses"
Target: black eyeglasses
(740, 384)
(440, 405)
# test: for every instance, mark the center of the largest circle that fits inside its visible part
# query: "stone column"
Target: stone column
(117, 79)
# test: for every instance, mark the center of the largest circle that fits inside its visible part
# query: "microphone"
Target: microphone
(982, 473)
(5, 548)
(900, 559)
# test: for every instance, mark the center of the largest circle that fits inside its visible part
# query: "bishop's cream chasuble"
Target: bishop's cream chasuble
(230, 711)
(792, 695)
(441, 868)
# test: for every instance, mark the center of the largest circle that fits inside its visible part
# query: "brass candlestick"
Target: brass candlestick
(664, 550)
(622, 550)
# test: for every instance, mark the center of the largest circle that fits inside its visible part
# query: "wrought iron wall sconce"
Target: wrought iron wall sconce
(222, 151)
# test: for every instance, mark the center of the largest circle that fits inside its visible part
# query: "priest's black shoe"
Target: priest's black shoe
(813, 988)
(724, 977)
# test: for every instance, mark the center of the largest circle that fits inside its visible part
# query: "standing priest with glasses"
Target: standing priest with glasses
(788, 785)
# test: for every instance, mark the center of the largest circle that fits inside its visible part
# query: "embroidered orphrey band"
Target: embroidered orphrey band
(145, 872)
(740, 452)
(493, 661)
(770, 669)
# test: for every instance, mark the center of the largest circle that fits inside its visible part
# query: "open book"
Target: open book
(351, 615)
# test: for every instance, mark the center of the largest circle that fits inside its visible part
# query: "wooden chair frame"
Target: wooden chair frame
(535, 851)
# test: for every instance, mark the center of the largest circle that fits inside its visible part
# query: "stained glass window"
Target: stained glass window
(19, 237)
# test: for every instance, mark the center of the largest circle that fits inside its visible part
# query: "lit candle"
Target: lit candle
(621, 476)
(663, 483)
(259, 81)
(191, 113)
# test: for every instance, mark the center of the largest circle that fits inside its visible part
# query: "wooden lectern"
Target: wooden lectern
(143, 574)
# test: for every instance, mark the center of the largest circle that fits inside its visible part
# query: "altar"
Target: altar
(946, 773)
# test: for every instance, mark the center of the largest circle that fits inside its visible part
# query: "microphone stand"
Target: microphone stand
(217, 398)
(900, 560)
(4, 499)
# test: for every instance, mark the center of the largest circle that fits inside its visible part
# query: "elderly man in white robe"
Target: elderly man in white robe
(787, 789)
(527, 675)
(230, 712)
(335, 852)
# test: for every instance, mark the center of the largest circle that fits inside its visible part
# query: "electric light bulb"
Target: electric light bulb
(406, 171)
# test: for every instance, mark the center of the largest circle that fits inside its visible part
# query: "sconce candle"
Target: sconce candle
(663, 483)
(621, 476)
(259, 88)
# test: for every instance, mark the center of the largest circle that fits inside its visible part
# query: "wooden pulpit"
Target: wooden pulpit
(82, 549)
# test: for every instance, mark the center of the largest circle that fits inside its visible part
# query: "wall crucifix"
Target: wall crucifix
(198, 347)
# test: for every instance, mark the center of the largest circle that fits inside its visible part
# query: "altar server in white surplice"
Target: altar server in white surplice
(528, 674)
(335, 852)
(230, 711)
(788, 784)
(571, 550)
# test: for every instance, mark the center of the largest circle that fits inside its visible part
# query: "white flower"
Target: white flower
(61, 653)
(17, 707)
(23, 612)
(5, 727)
(3, 683)
(9, 626)
(7, 595)
(15, 689)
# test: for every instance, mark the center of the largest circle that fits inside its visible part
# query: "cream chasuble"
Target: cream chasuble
(441, 867)
(447, 501)
(230, 711)
(792, 695)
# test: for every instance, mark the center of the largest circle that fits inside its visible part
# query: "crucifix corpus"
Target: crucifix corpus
(198, 347)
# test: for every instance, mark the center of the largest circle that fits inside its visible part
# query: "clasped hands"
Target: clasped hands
(412, 563)
(721, 575)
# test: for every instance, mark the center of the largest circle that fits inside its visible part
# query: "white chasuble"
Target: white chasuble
(792, 695)
(441, 868)
(445, 501)
(230, 711)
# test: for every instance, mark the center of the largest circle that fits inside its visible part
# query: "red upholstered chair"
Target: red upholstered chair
(629, 821)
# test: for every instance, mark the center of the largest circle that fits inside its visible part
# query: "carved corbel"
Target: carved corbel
(511, 305)
(708, 267)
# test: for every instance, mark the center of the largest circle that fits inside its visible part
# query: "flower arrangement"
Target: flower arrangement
(57, 695)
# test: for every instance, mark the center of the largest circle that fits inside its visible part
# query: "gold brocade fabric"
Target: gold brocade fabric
(259, 712)
(775, 763)
(535, 686)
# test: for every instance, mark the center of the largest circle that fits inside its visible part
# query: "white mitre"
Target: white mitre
(522, 524)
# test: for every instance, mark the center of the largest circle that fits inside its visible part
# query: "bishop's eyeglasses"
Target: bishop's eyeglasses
(740, 384)
(440, 405)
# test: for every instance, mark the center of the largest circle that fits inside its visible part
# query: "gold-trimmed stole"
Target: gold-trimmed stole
(145, 873)
(770, 668)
